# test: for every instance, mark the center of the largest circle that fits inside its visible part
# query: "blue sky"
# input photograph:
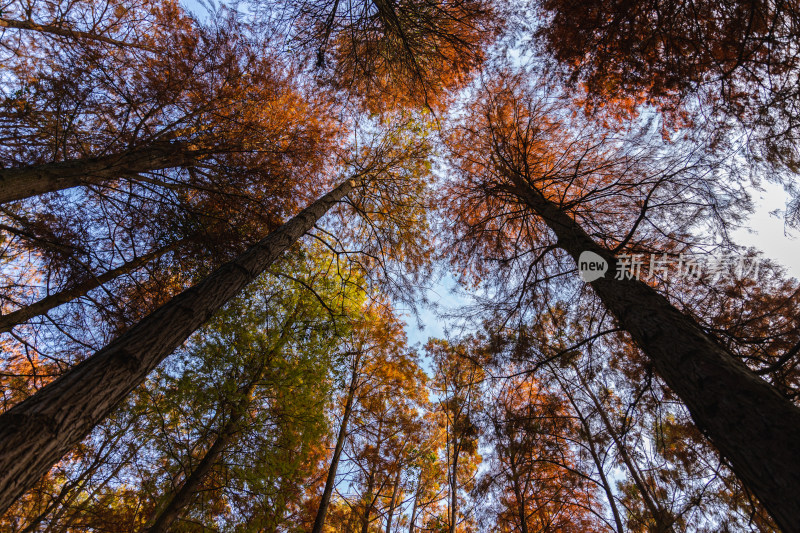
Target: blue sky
(767, 231)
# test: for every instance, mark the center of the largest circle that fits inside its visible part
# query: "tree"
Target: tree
(109, 25)
(62, 406)
(738, 61)
(275, 345)
(524, 158)
(124, 364)
(387, 437)
(533, 468)
(390, 54)
(203, 105)
(458, 377)
(375, 339)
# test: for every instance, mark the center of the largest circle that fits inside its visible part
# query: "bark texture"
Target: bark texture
(36, 433)
(24, 182)
(754, 427)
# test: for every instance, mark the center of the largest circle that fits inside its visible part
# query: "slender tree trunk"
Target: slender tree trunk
(36, 433)
(9, 320)
(64, 31)
(330, 482)
(172, 510)
(368, 504)
(595, 456)
(72, 489)
(518, 493)
(416, 503)
(661, 517)
(755, 428)
(24, 182)
(180, 499)
(454, 491)
(393, 502)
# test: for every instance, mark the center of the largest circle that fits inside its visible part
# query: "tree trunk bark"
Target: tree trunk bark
(751, 424)
(36, 433)
(24, 182)
(190, 486)
(330, 482)
(9, 320)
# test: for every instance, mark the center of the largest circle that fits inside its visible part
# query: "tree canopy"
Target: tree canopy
(222, 224)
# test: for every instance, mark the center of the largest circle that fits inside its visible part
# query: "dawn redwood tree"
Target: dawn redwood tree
(533, 471)
(756, 320)
(374, 339)
(728, 70)
(212, 100)
(738, 58)
(275, 344)
(525, 179)
(387, 53)
(673, 480)
(42, 306)
(341, 435)
(61, 414)
(200, 443)
(72, 101)
(458, 384)
(662, 521)
(108, 25)
(173, 120)
(664, 473)
(387, 436)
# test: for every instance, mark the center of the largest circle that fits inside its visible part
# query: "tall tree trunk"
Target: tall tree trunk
(393, 501)
(171, 511)
(180, 499)
(595, 457)
(370, 499)
(663, 520)
(24, 182)
(416, 503)
(368, 504)
(751, 424)
(519, 495)
(454, 491)
(9, 320)
(330, 481)
(36, 433)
